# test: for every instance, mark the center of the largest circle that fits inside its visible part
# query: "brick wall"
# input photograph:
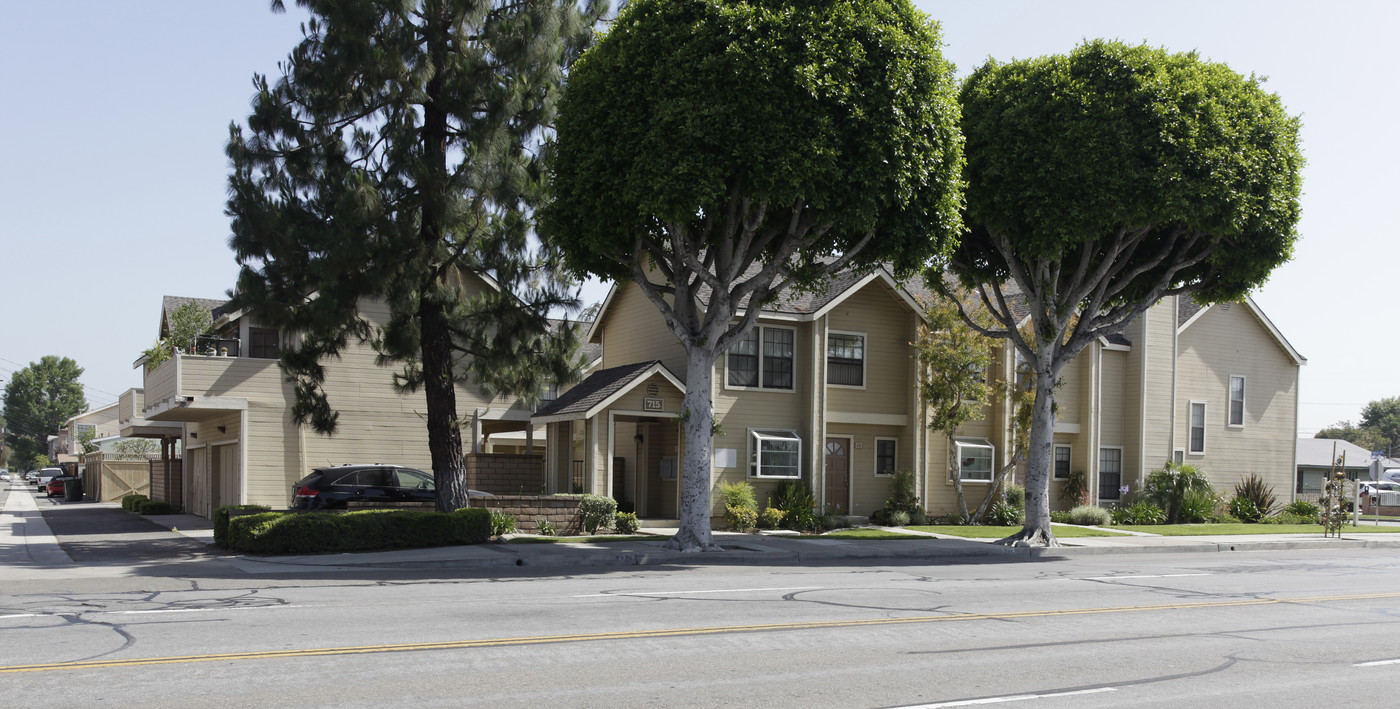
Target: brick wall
(505, 473)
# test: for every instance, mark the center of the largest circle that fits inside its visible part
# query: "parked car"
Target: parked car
(334, 487)
(55, 486)
(1371, 488)
(45, 475)
(4, 476)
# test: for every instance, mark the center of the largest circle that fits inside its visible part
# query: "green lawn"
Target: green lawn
(588, 540)
(869, 534)
(1197, 530)
(991, 532)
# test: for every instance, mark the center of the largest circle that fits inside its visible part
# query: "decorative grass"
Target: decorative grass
(972, 531)
(1207, 530)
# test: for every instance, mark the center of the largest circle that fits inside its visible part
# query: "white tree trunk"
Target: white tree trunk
(697, 421)
(1039, 455)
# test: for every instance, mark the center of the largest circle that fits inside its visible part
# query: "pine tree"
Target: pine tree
(397, 159)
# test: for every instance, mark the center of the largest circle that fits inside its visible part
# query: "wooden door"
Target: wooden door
(197, 492)
(838, 473)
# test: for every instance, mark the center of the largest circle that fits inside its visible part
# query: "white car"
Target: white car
(4, 476)
(47, 474)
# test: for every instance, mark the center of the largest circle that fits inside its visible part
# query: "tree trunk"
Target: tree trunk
(956, 471)
(444, 437)
(1036, 532)
(697, 420)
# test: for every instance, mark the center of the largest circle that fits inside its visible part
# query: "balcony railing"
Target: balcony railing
(216, 346)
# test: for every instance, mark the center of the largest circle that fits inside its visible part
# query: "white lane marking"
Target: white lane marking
(1150, 576)
(1377, 663)
(677, 593)
(1010, 698)
(21, 615)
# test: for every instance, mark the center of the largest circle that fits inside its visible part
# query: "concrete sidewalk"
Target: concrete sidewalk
(26, 543)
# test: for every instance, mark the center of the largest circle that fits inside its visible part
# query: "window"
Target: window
(1198, 428)
(1236, 400)
(885, 449)
(763, 359)
(1110, 473)
(262, 342)
(1179, 455)
(775, 454)
(845, 359)
(1061, 462)
(975, 460)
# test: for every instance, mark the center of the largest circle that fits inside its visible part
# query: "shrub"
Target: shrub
(771, 518)
(898, 518)
(1140, 512)
(1254, 489)
(902, 499)
(546, 528)
(1060, 517)
(221, 518)
(502, 523)
(738, 494)
(597, 511)
(1246, 510)
(1003, 514)
(1224, 518)
(1168, 487)
(1075, 491)
(155, 507)
(1198, 506)
(313, 532)
(1303, 509)
(796, 501)
(131, 502)
(626, 523)
(1016, 496)
(918, 517)
(741, 519)
(1286, 517)
(1089, 516)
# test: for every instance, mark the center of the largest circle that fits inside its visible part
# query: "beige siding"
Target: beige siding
(1230, 341)
(1157, 355)
(868, 490)
(635, 331)
(875, 312)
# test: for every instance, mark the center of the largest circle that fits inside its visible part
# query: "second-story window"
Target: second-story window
(1236, 400)
(262, 342)
(845, 359)
(763, 359)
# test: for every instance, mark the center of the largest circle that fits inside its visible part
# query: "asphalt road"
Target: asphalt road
(1281, 629)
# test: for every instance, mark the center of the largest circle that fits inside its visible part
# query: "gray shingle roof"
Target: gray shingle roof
(1186, 308)
(595, 389)
(171, 303)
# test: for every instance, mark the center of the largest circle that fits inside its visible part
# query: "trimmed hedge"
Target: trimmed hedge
(362, 530)
(131, 502)
(221, 516)
(154, 507)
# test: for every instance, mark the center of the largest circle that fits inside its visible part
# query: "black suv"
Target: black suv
(331, 488)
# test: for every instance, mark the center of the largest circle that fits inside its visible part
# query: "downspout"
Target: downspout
(243, 457)
(1142, 398)
(918, 411)
(1176, 358)
(1096, 432)
(818, 445)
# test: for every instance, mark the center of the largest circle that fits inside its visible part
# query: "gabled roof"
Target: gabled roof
(1189, 311)
(171, 303)
(599, 390)
(1318, 453)
(801, 305)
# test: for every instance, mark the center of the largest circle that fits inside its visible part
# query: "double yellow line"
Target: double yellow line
(664, 633)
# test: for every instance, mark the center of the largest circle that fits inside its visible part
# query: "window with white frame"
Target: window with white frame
(775, 454)
(1236, 400)
(885, 450)
(762, 360)
(1110, 473)
(845, 359)
(975, 458)
(1061, 462)
(1197, 436)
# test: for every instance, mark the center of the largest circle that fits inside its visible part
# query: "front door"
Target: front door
(838, 473)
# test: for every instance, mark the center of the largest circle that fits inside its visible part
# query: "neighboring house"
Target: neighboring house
(824, 390)
(1315, 459)
(102, 423)
(233, 405)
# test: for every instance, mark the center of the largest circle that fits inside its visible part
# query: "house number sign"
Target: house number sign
(649, 404)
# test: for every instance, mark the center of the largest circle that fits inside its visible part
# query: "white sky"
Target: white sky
(114, 119)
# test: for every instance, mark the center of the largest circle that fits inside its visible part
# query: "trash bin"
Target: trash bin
(73, 490)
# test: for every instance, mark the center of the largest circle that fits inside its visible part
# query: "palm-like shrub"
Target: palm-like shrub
(1140, 512)
(1168, 488)
(1254, 490)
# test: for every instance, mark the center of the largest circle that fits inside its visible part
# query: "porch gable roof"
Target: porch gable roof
(600, 389)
